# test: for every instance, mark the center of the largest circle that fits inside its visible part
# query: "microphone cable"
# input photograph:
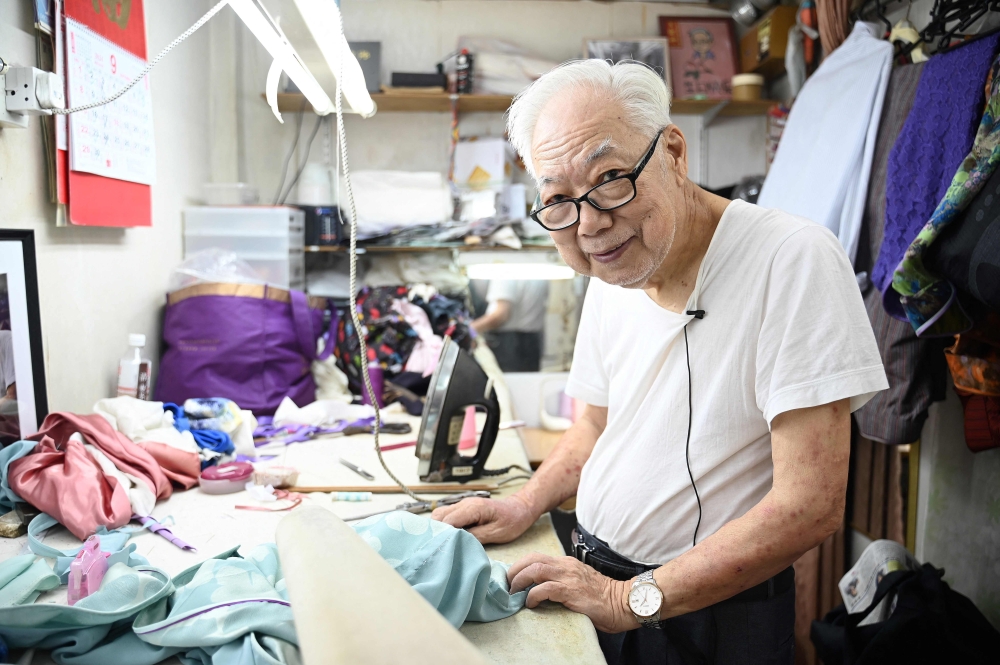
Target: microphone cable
(698, 314)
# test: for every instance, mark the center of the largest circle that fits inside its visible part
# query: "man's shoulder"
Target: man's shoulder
(762, 232)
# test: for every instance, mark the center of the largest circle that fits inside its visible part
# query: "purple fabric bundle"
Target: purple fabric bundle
(936, 137)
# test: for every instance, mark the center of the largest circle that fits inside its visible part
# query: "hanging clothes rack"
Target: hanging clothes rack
(949, 21)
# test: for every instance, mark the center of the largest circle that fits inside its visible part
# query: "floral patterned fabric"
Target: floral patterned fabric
(930, 302)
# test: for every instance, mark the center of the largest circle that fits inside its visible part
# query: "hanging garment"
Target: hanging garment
(389, 337)
(934, 140)
(930, 302)
(449, 317)
(60, 478)
(974, 361)
(968, 251)
(914, 367)
(823, 162)
(424, 356)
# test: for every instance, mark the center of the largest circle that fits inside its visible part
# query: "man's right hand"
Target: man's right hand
(489, 520)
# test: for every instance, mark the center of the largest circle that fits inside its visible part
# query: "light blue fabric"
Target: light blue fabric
(231, 610)
(447, 566)
(113, 542)
(14, 451)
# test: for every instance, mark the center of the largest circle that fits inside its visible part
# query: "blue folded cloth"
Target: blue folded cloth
(213, 440)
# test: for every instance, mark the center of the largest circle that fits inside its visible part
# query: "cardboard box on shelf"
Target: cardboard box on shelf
(484, 163)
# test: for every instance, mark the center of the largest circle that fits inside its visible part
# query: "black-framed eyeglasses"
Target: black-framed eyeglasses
(606, 196)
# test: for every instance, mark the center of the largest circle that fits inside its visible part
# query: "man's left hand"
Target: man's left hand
(577, 586)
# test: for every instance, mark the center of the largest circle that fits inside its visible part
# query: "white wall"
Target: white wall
(416, 34)
(97, 285)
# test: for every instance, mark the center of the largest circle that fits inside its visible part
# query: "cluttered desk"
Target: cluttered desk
(343, 475)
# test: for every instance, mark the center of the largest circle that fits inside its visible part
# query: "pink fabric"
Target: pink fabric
(63, 480)
(67, 483)
(179, 466)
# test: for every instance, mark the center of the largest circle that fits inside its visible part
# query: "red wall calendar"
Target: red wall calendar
(98, 193)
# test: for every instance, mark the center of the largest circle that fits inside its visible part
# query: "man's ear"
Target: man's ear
(675, 147)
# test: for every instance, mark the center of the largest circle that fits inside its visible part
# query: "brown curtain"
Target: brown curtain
(834, 23)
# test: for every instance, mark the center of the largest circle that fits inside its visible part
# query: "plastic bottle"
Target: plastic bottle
(134, 371)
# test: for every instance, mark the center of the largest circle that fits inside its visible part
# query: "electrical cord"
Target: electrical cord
(505, 470)
(687, 444)
(359, 326)
(305, 162)
(291, 151)
(152, 63)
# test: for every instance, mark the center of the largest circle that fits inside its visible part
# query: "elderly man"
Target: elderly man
(721, 351)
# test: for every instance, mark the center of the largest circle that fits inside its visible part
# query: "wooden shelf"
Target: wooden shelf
(441, 102)
(397, 249)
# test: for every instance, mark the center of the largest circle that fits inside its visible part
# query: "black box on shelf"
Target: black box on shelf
(324, 227)
(369, 55)
(418, 80)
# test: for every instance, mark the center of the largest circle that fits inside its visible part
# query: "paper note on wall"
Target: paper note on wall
(114, 140)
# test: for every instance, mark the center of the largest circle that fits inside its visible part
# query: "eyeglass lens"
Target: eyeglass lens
(610, 195)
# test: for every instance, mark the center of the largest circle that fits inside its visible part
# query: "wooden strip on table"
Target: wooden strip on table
(443, 488)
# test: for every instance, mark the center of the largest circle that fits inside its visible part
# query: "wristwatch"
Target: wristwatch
(645, 600)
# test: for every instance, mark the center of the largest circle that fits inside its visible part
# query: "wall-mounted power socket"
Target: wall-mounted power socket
(8, 119)
(30, 91)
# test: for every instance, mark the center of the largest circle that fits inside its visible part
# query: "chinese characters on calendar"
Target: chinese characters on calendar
(114, 140)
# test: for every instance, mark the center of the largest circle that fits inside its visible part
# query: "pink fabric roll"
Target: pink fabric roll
(62, 479)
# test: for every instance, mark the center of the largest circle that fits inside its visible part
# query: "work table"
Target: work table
(213, 524)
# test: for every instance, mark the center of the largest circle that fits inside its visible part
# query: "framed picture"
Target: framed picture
(648, 50)
(703, 56)
(23, 401)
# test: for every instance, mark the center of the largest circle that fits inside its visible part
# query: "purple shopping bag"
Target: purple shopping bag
(251, 343)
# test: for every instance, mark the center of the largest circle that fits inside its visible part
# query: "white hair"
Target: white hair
(639, 90)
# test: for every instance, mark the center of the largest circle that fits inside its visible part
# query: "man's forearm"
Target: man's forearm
(558, 477)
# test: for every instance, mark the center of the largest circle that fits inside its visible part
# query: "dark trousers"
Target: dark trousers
(516, 351)
(756, 627)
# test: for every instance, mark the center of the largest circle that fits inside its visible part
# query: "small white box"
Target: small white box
(485, 163)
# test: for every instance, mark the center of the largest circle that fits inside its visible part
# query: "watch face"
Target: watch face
(645, 600)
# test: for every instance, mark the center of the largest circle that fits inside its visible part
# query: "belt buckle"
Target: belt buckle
(580, 547)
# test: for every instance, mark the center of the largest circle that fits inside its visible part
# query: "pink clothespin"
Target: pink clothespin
(87, 570)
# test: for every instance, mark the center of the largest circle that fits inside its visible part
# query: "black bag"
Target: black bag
(968, 251)
(930, 624)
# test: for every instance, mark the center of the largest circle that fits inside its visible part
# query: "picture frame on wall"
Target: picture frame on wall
(703, 56)
(23, 399)
(652, 51)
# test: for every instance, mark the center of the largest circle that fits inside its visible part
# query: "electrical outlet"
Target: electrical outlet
(8, 119)
(32, 91)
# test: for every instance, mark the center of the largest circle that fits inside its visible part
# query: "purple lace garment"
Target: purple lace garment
(936, 137)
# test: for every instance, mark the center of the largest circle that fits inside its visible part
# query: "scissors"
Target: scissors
(417, 507)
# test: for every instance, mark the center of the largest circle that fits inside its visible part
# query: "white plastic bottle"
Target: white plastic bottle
(134, 371)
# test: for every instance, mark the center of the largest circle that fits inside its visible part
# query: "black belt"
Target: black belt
(595, 553)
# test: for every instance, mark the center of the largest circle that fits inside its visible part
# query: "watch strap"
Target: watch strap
(650, 621)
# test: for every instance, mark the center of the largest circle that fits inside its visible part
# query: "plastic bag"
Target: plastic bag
(212, 266)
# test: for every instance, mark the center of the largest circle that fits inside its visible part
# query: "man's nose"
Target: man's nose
(592, 220)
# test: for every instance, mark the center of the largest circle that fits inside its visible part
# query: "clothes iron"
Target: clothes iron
(458, 382)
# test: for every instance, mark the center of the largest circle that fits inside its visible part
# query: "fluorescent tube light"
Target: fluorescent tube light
(322, 17)
(515, 271)
(284, 54)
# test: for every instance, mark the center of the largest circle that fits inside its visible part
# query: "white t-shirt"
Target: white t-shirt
(785, 328)
(528, 301)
